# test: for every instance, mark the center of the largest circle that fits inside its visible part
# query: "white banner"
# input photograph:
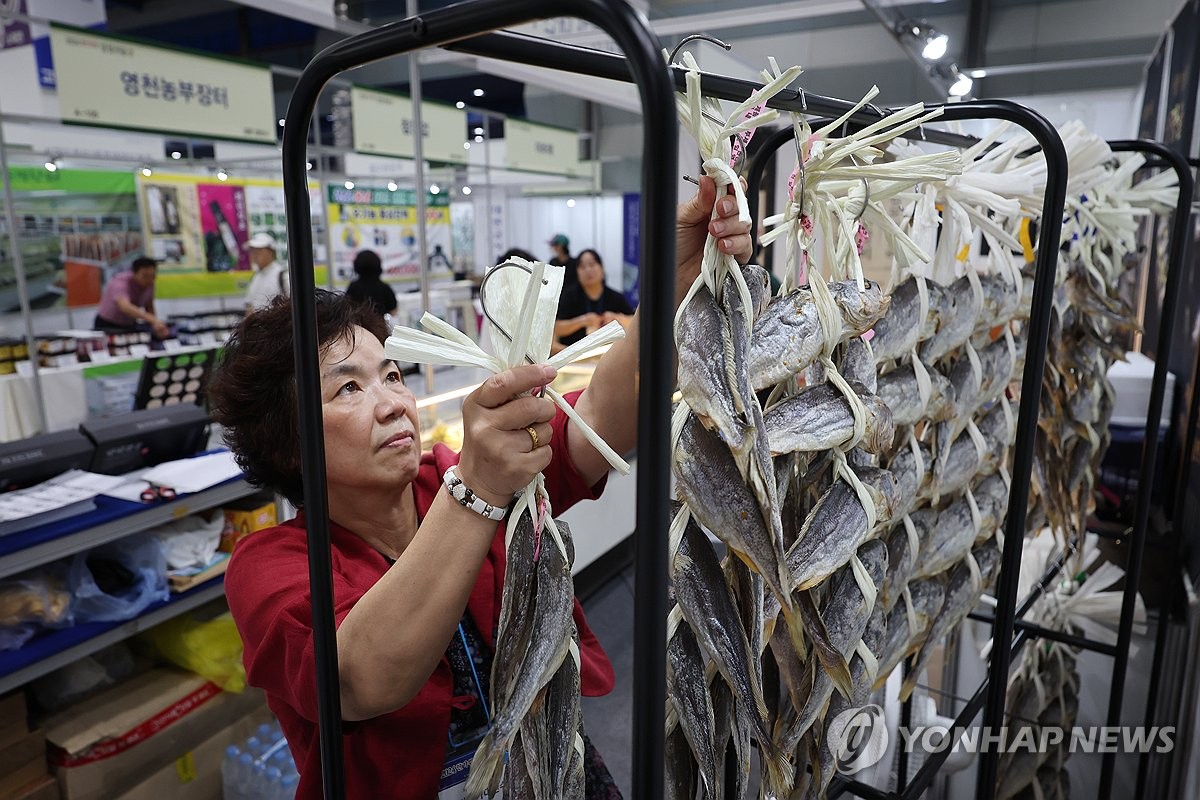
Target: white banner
(541, 148)
(383, 124)
(103, 80)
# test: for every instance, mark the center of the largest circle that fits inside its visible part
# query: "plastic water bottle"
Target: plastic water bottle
(254, 746)
(229, 773)
(287, 787)
(242, 776)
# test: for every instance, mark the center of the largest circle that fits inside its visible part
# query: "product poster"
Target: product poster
(75, 227)
(631, 245)
(197, 227)
(375, 218)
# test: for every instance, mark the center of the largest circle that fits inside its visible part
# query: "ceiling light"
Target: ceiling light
(466, 145)
(466, 190)
(571, 203)
(175, 154)
(434, 188)
(222, 175)
(52, 165)
(281, 122)
(349, 184)
(308, 165)
(478, 92)
(479, 139)
(478, 131)
(460, 104)
(392, 186)
(147, 172)
(961, 86)
(977, 73)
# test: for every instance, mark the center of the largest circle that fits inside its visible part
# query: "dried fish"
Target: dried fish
(787, 336)
(901, 390)
(909, 622)
(837, 525)
(900, 330)
(819, 418)
(687, 688)
(956, 325)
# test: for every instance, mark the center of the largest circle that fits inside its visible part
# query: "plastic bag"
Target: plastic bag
(191, 541)
(119, 580)
(34, 597)
(211, 648)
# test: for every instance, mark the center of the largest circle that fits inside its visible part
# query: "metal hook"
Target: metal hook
(693, 37)
(866, 191)
(483, 297)
(803, 100)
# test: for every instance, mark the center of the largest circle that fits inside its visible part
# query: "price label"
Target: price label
(25, 368)
(139, 350)
(172, 345)
(100, 356)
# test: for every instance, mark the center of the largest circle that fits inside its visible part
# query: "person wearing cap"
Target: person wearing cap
(369, 287)
(128, 300)
(561, 246)
(270, 277)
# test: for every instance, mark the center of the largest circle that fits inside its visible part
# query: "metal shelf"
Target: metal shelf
(119, 632)
(72, 543)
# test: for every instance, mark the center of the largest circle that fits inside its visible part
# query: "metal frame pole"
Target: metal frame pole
(22, 285)
(656, 350)
(1180, 233)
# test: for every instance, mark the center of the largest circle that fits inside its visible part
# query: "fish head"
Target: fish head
(759, 284)
(881, 485)
(860, 309)
(880, 430)
(874, 556)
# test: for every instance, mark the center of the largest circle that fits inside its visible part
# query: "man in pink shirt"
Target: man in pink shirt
(129, 299)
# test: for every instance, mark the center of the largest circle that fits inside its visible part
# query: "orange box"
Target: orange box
(241, 522)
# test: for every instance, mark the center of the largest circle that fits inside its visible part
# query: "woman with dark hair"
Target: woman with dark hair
(369, 286)
(591, 304)
(418, 568)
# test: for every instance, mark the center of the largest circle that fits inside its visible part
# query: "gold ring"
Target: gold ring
(533, 437)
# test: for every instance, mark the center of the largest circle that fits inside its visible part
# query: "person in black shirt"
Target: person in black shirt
(561, 246)
(369, 286)
(590, 305)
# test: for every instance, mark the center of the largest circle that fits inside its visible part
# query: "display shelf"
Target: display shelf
(112, 519)
(57, 648)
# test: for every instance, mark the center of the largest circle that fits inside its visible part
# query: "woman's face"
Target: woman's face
(591, 273)
(372, 438)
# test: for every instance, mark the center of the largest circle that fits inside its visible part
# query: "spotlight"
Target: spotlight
(478, 92)
(147, 172)
(466, 190)
(434, 188)
(52, 165)
(933, 43)
(175, 154)
(460, 104)
(222, 175)
(349, 184)
(392, 186)
(962, 85)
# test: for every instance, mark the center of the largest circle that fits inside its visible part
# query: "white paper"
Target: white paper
(189, 475)
(63, 490)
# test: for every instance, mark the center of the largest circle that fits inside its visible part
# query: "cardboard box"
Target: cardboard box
(44, 788)
(196, 774)
(243, 518)
(106, 744)
(14, 723)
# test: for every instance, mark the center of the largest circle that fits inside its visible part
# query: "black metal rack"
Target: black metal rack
(1010, 616)
(462, 28)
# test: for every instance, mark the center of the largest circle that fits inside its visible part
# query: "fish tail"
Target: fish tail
(780, 771)
(486, 769)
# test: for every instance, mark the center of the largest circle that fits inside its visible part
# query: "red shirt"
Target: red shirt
(399, 754)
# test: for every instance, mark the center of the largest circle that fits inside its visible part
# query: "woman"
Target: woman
(368, 286)
(415, 572)
(591, 304)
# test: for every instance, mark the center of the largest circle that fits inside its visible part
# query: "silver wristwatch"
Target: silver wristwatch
(465, 497)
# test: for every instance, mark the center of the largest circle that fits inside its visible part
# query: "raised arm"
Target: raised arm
(610, 405)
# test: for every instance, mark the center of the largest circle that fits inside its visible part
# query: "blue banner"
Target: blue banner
(632, 246)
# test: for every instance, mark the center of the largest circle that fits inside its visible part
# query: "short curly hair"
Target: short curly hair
(252, 393)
